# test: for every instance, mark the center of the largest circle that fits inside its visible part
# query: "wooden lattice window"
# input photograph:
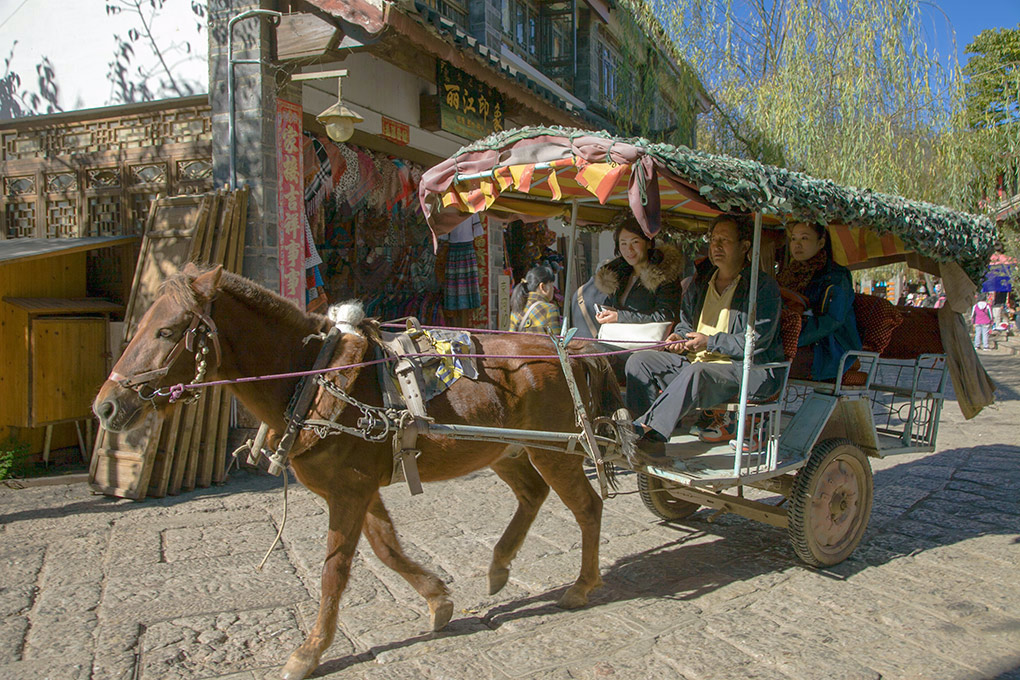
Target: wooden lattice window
(194, 175)
(61, 181)
(103, 178)
(140, 204)
(149, 173)
(19, 186)
(61, 218)
(104, 215)
(20, 218)
(99, 176)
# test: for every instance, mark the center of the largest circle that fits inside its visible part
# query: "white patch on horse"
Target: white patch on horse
(347, 316)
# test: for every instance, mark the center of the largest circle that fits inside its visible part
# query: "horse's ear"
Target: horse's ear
(191, 270)
(205, 285)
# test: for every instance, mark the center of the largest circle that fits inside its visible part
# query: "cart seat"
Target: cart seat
(877, 319)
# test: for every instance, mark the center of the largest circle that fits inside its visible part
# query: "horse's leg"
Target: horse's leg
(565, 475)
(347, 508)
(531, 491)
(382, 537)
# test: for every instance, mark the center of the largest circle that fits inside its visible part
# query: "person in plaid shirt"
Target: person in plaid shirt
(531, 307)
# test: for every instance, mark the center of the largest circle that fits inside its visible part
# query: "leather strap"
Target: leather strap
(527, 313)
(586, 315)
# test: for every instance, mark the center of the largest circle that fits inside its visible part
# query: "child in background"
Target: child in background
(532, 309)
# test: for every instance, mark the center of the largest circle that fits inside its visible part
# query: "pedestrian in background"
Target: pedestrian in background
(981, 315)
(532, 309)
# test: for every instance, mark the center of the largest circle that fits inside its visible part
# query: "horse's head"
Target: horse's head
(175, 343)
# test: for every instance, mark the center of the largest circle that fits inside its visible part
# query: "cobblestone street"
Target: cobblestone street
(94, 587)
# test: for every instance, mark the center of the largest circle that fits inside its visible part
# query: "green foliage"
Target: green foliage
(656, 90)
(992, 92)
(12, 452)
(846, 90)
(989, 120)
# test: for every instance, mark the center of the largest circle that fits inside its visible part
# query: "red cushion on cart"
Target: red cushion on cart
(855, 378)
(918, 334)
(789, 331)
(877, 318)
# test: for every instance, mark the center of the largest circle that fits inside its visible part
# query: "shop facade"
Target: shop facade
(424, 85)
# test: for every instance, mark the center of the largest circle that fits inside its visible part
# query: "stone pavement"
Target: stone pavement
(93, 587)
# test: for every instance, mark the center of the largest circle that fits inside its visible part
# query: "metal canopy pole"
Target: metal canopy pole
(752, 313)
(274, 18)
(568, 292)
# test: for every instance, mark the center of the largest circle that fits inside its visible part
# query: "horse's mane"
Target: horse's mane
(269, 304)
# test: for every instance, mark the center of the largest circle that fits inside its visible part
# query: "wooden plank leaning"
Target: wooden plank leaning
(209, 417)
(122, 464)
(183, 436)
(234, 263)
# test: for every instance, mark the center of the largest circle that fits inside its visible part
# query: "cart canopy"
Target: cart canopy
(539, 172)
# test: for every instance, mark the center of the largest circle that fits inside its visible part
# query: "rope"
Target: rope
(283, 523)
(176, 391)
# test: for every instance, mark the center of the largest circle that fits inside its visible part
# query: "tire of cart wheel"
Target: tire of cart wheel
(831, 503)
(659, 501)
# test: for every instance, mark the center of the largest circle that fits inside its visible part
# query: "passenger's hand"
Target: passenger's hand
(676, 343)
(696, 342)
(607, 316)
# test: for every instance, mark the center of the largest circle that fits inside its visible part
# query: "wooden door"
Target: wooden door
(67, 367)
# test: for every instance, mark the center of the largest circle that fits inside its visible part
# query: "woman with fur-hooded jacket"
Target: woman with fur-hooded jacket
(642, 284)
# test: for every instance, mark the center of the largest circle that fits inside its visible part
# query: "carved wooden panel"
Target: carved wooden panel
(98, 177)
(128, 131)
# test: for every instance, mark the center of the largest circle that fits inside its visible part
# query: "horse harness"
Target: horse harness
(195, 339)
(403, 415)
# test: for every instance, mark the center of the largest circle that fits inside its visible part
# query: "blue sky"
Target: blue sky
(968, 18)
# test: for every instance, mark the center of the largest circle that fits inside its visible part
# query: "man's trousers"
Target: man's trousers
(663, 387)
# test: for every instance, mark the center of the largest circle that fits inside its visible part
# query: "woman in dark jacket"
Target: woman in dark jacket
(642, 283)
(829, 325)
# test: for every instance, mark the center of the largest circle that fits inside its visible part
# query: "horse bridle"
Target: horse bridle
(195, 338)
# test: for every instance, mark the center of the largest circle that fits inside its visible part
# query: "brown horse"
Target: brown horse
(239, 329)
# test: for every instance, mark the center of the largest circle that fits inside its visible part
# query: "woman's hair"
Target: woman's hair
(630, 225)
(535, 277)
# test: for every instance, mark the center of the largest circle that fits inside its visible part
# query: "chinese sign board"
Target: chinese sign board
(290, 202)
(395, 131)
(467, 107)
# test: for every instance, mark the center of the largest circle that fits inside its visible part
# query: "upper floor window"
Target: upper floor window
(607, 62)
(454, 10)
(520, 26)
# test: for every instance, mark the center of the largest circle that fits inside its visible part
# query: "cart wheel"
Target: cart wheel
(831, 503)
(660, 502)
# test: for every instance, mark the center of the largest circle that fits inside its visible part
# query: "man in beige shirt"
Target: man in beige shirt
(703, 366)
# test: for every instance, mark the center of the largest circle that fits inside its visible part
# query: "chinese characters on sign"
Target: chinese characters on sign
(395, 131)
(467, 107)
(290, 202)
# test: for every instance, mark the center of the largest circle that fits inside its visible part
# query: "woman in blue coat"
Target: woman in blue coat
(829, 326)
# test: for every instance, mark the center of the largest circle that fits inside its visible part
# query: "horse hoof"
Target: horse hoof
(497, 579)
(575, 598)
(440, 614)
(298, 668)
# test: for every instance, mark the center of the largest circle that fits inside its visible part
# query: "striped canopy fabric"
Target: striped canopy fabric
(539, 172)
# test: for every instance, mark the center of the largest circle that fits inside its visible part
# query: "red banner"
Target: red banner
(290, 202)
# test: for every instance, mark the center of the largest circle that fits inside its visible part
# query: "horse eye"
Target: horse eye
(165, 333)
